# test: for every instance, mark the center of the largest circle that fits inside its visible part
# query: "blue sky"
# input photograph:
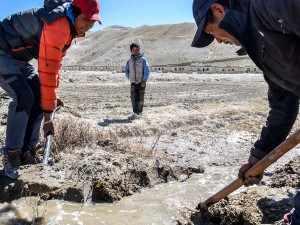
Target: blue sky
(129, 13)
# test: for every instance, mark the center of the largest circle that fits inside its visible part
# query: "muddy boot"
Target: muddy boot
(11, 163)
(30, 157)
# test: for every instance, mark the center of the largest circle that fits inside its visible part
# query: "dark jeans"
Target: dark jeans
(20, 81)
(296, 213)
(137, 94)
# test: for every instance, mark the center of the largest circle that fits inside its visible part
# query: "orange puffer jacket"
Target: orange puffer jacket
(54, 38)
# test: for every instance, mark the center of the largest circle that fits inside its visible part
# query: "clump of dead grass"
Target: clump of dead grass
(146, 146)
(71, 132)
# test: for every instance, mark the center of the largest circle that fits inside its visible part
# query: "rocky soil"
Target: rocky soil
(191, 123)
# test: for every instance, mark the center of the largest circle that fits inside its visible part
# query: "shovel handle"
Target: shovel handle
(49, 137)
(258, 168)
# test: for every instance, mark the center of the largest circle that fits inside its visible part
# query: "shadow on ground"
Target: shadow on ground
(9, 189)
(17, 220)
(274, 210)
(106, 122)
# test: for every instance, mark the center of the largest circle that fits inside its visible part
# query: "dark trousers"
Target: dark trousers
(137, 94)
(20, 81)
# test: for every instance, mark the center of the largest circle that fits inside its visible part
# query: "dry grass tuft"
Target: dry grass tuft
(146, 146)
(71, 132)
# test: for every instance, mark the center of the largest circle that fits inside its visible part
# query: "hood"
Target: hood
(54, 9)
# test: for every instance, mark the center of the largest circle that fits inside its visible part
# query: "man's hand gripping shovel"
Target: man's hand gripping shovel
(49, 138)
(258, 168)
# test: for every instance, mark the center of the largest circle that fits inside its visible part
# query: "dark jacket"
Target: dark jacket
(42, 34)
(20, 33)
(270, 32)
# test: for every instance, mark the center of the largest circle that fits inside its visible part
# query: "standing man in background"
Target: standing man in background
(137, 72)
(44, 34)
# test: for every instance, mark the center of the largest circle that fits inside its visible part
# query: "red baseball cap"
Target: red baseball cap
(90, 8)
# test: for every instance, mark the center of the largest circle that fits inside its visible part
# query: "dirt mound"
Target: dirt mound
(287, 176)
(259, 205)
(93, 174)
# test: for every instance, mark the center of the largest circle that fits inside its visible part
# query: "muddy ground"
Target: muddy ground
(191, 122)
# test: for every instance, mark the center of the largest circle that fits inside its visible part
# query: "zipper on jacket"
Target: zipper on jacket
(20, 48)
(262, 51)
(45, 42)
(134, 70)
(45, 50)
(281, 21)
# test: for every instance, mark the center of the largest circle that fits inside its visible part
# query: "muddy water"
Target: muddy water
(162, 204)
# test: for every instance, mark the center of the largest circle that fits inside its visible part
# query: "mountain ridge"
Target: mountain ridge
(167, 44)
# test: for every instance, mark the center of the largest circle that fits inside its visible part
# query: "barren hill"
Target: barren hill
(162, 45)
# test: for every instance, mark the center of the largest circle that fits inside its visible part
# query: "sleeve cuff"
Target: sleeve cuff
(257, 153)
(47, 111)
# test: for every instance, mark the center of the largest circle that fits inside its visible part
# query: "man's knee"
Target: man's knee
(20, 92)
(24, 100)
(21, 103)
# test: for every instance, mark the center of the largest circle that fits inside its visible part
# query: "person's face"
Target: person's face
(135, 51)
(213, 28)
(221, 35)
(83, 24)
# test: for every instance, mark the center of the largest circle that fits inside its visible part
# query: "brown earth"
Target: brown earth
(264, 204)
(191, 122)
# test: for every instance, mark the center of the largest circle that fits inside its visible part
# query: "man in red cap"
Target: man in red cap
(44, 34)
(269, 31)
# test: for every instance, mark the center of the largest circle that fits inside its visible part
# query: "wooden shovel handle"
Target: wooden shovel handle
(258, 168)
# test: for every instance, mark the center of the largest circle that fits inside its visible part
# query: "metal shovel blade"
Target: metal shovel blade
(49, 138)
(47, 149)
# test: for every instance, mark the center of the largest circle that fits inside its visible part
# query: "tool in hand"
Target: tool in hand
(49, 138)
(258, 168)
